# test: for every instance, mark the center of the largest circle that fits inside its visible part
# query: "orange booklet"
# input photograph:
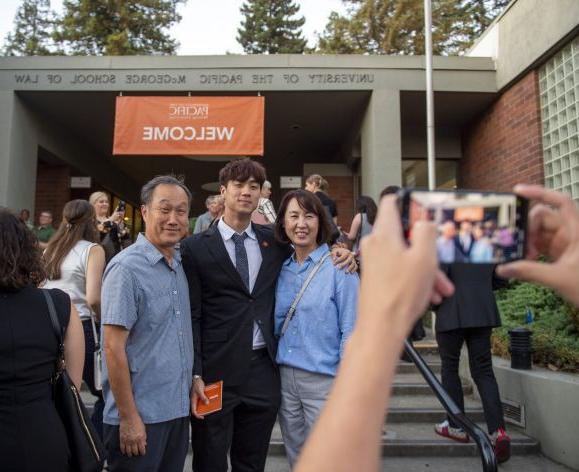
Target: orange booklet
(214, 392)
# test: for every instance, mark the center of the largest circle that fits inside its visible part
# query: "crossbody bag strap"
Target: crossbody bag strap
(58, 331)
(95, 333)
(292, 309)
(53, 317)
(86, 255)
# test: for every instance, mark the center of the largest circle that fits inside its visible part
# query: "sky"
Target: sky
(208, 26)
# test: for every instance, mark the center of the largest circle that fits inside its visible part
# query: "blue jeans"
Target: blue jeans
(88, 376)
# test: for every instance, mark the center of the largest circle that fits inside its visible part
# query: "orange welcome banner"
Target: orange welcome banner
(230, 126)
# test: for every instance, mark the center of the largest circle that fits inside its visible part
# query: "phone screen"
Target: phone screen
(473, 227)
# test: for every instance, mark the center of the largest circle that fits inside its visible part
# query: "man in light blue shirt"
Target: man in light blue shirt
(147, 373)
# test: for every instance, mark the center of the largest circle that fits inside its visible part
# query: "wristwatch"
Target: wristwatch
(195, 377)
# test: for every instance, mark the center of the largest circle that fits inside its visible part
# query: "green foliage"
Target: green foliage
(555, 326)
(32, 33)
(118, 27)
(270, 27)
(397, 26)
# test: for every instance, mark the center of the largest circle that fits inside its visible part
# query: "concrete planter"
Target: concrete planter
(551, 404)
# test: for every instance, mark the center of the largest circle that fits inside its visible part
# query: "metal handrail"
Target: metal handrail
(485, 447)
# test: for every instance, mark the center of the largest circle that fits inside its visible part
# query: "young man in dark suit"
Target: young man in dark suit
(463, 242)
(468, 317)
(232, 269)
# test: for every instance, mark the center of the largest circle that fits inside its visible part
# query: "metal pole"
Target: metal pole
(429, 95)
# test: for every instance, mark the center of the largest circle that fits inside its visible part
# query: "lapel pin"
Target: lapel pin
(264, 244)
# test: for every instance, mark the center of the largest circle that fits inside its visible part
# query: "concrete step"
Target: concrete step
(415, 409)
(530, 463)
(420, 388)
(426, 346)
(410, 368)
(426, 400)
(420, 440)
(428, 415)
(410, 378)
(416, 378)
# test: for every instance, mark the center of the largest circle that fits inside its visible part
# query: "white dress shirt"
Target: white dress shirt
(253, 260)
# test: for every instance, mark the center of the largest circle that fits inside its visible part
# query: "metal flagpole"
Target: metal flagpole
(429, 108)
(429, 95)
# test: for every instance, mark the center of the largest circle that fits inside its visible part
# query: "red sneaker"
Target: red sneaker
(502, 443)
(444, 429)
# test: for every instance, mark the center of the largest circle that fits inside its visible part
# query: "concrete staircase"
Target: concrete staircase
(409, 443)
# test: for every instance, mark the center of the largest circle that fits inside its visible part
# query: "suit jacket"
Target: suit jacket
(222, 309)
(462, 254)
(473, 303)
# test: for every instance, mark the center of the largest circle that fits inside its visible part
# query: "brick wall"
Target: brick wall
(52, 190)
(342, 192)
(504, 146)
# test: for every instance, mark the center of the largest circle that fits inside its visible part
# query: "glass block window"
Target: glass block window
(559, 89)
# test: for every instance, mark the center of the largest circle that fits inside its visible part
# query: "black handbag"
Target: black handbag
(87, 450)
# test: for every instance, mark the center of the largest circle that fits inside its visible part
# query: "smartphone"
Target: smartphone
(121, 206)
(473, 227)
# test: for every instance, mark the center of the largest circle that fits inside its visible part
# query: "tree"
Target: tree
(483, 12)
(118, 27)
(397, 26)
(32, 33)
(269, 27)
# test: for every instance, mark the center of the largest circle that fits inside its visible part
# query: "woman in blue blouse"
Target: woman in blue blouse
(312, 343)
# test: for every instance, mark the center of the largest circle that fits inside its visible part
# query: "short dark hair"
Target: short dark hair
(309, 202)
(20, 263)
(389, 190)
(151, 185)
(242, 170)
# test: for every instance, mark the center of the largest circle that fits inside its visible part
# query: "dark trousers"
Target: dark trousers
(88, 377)
(478, 343)
(167, 445)
(243, 427)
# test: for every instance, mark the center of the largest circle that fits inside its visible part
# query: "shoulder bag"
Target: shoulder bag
(97, 353)
(292, 309)
(87, 451)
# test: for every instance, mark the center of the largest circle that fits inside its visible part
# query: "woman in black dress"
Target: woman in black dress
(32, 436)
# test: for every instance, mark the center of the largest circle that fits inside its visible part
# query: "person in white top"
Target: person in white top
(75, 263)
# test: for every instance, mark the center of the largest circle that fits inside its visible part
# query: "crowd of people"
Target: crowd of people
(476, 242)
(275, 310)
